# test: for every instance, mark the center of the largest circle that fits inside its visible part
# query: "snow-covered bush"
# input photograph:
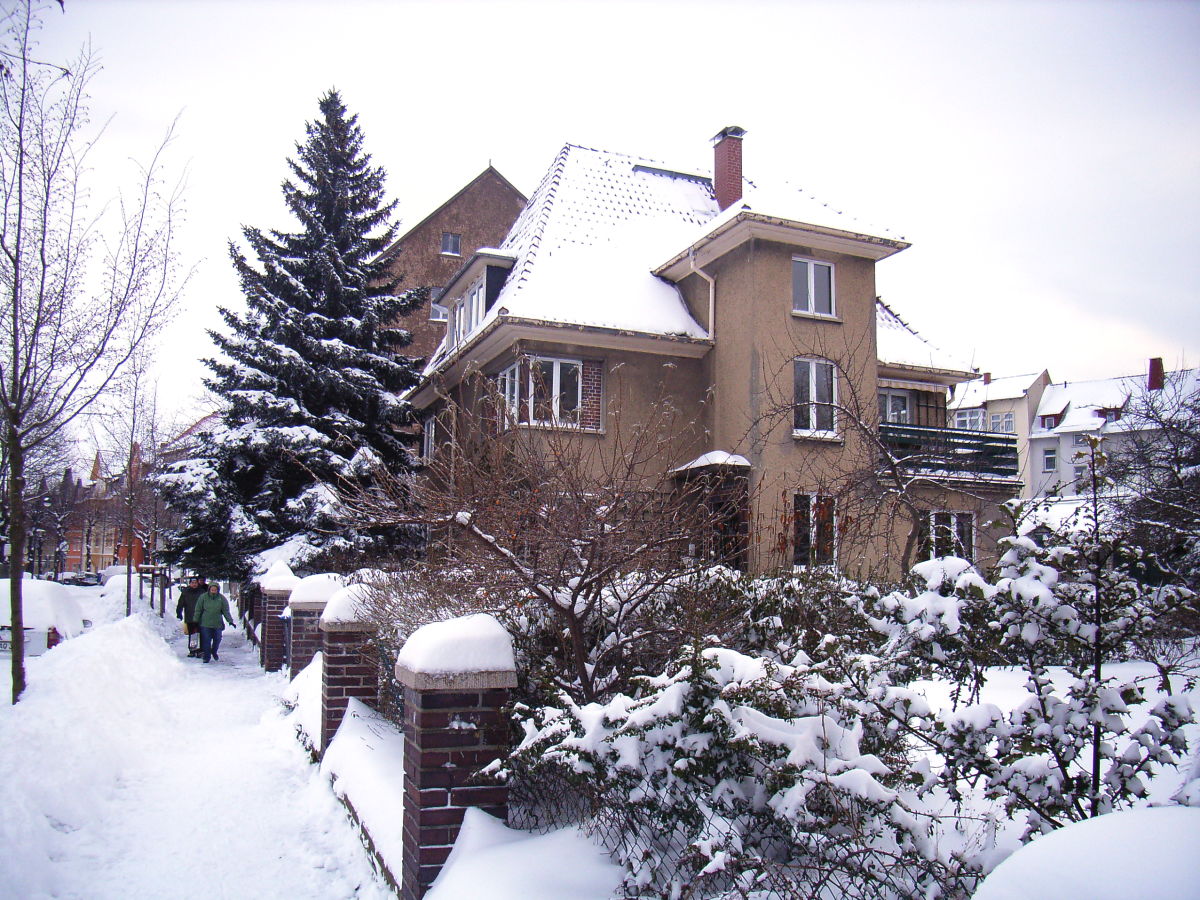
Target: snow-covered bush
(731, 774)
(1085, 741)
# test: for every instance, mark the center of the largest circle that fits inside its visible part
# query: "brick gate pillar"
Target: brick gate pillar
(271, 640)
(456, 678)
(348, 666)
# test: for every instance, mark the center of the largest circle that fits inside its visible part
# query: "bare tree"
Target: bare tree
(82, 290)
(585, 542)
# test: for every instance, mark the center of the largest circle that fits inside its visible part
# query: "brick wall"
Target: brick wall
(591, 414)
(348, 670)
(271, 650)
(304, 637)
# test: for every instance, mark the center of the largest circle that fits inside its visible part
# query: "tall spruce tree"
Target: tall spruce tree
(311, 370)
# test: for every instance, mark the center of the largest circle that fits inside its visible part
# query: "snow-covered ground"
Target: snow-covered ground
(133, 771)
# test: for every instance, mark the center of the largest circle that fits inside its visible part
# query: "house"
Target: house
(429, 253)
(1008, 405)
(1073, 414)
(752, 309)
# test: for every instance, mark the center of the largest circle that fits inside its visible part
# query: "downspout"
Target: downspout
(712, 292)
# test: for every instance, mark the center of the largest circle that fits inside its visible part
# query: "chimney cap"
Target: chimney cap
(730, 131)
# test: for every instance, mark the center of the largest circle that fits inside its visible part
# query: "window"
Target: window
(509, 388)
(1080, 439)
(971, 419)
(1050, 459)
(815, 538)
(1003, 422)
(1083, 478)
(1050, 421)
(467, 313)
(815, 395)
(555, 391)
(894, 407)
(451, 243)
(1110, 415)
(947, 534)
(812, 287)
(429, 437)
(437, 312)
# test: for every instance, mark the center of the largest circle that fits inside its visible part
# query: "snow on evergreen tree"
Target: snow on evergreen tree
(311, 370)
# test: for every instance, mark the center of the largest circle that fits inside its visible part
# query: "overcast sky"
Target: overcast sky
(1043, 158)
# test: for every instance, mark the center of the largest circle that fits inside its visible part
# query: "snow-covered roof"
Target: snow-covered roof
(1080, 403)
(900, 345)
(971, 394)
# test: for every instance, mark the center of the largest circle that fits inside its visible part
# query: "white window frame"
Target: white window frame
(437, 312)
(811, 266)
(556, 420)
(812, 501)
(885, 398)
(1002, 423)
(429, 437)
(971, 419)
(451, 243)
(956, 517)
(508, 385)
(1049, 459)
(814, 404)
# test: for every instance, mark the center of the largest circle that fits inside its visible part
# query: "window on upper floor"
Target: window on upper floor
(1110, 415)
(815, 398)
(451, 243)
(943, 533)
(555, 391)
(895, 406)
(437, 312)
(466, 313)
(971, 419)
(1082, 477)
(1080, 439)
(814, 538)
(1050, 421)
(1004, 423)
(429, 437)
(812, 287)
(1050, 459)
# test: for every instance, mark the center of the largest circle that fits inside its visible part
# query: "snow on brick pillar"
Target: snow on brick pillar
(307, 603)
(727, 165)
(456, 676)
(270, 648)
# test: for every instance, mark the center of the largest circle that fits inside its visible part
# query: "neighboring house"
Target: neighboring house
(623, 280)
(433, 250)
(1071, 412)
(1007, 405)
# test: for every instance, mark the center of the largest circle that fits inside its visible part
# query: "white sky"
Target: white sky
(1043, 158)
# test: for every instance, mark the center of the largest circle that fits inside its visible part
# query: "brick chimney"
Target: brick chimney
(727, 165)
(987, 377)
(1155, 378)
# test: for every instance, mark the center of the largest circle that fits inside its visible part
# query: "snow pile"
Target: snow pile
(365, 762)
(475, 643)
(493, 861)
(1135, 853)
(68, 743)
(304, 696)
(277, 569)
(715, 458)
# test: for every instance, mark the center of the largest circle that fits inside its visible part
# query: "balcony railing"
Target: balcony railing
(951, 452)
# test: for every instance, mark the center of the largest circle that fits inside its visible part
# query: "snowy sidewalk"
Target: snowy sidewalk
(132, 771)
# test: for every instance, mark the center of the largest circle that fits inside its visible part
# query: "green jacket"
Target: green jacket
(211, 609)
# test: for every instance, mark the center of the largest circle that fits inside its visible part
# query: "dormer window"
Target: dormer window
(1050, 421)
(437, 312)
(1110, 415)
(812, 287)
(451, 244)
(467, 313)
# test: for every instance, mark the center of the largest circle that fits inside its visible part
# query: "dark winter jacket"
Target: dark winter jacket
(211, 608)
(186, 607)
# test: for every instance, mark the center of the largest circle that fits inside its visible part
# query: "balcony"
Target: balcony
(951, 452)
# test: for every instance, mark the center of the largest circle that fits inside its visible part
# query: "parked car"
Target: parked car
(50, 615)
(82, 579)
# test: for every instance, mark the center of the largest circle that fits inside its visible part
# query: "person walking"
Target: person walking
(212, 611)
(185, 610)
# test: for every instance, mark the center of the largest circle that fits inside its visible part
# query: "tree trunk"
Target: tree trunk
(16, 535)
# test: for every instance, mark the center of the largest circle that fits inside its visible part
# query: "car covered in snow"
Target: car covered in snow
(50, 614)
